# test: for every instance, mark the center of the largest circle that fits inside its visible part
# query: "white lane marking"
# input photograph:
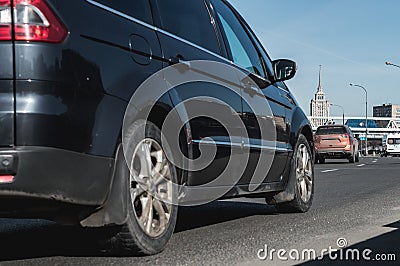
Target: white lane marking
(329, 171)
(361, 165)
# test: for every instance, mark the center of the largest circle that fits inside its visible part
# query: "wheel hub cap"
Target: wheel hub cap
(304, 173)
(151, 187)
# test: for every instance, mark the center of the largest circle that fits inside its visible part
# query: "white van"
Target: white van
(393, 145)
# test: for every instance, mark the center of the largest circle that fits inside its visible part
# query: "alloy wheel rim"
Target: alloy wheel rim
(151, 187)
(304, 173)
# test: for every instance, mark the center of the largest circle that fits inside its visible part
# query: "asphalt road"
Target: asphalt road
(359, 202)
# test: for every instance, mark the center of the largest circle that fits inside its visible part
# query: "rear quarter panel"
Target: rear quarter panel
(73, 95)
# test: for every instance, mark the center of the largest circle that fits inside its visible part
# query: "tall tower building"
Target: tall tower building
(320, 106)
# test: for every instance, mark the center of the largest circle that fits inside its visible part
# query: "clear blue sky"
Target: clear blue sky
(352, 40)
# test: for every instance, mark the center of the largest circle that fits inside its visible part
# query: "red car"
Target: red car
(335, 142)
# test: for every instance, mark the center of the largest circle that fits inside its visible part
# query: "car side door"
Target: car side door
(264, 110)
(187, 33)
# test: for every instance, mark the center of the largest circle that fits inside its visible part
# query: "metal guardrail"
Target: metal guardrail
(355, 117)
(393, 124)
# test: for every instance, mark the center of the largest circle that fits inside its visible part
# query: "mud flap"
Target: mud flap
(115, 210)
(288, 194)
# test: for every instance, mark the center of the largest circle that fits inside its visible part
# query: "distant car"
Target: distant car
(392, 145)
(335, 142)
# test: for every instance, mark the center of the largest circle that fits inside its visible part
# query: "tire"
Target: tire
(303, 173)
(322, 161)
(357, 157)
(137, 236)
(352, 158)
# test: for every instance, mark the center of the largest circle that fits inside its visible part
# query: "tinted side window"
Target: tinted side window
(139, 9)
(331, 130)
(189, 19)
(242, 49)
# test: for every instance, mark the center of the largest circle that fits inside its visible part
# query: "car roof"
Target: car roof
(327, 126)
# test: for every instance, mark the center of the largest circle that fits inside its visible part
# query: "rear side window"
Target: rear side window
(331, 130)
(139, 9)
(190, 20)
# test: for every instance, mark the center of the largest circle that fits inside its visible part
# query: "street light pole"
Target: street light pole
(336, 105)
(366, 115)
(390, 64)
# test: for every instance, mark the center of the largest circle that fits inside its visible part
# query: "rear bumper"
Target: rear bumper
(334, 154)
(55, 175)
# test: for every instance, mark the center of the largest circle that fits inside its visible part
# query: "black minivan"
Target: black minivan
(68, 72)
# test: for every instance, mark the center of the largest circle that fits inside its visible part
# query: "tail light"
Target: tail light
(6, 179)
(317, 139)
(5, 20)
(345, 139)
(33, 21)
(345, 136)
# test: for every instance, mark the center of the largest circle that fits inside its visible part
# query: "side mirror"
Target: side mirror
(284, 69)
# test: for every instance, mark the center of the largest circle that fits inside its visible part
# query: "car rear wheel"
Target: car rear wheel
(353, 157)
(151, 212)
(303, 172)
